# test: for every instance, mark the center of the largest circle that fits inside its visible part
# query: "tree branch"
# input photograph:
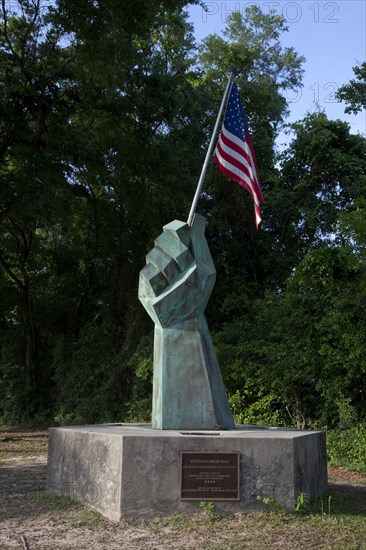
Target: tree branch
(20, 284)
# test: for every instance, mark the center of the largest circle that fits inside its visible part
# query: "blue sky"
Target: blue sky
(331, 36)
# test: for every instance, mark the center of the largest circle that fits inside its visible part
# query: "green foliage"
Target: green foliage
(299, 358)
(209, 510)
(302, 503)
(100, 102)
(141, 364)
(97, 104)
(354, 93)
(272, 504)
(255, 409)
(245, 259)
(347, 447)
(324, 173)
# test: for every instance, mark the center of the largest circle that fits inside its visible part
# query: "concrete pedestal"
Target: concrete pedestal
(132, 470)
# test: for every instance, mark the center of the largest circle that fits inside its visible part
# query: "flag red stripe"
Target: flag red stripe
(235, 166)
(233, 173)
(248, 156)
(233, 160)
(234, 177)
(237, 149)
(247, 168)
(251, 147)
(234, 153)
(234, 146)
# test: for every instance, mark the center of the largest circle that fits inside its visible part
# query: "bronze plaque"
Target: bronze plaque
(209, 476)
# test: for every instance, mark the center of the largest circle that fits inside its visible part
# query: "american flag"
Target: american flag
(234, 153)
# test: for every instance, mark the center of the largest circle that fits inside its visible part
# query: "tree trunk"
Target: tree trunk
(30, 351)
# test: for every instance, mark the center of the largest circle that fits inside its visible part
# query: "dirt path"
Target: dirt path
(32, 520)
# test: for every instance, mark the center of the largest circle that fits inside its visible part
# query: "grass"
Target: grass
(336, 529)
(337, 520)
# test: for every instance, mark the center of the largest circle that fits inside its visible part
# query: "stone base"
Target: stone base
(132, 470)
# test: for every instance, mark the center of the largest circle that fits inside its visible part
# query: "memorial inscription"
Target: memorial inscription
(210, 476)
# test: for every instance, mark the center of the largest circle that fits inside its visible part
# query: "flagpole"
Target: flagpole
(210, 149)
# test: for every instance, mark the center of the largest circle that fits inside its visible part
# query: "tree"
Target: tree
(86, 136)
(106, 111)
(265, 70)
(144, 120)
(323, 174)
(354, 93)
(37, 95)
(300, 347)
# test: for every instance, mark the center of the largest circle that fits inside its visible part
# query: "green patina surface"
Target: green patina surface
(175, 286)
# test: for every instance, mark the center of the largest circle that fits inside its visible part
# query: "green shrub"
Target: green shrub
(348, 447)
(263, 411)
